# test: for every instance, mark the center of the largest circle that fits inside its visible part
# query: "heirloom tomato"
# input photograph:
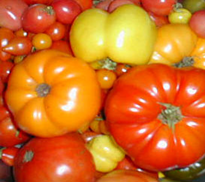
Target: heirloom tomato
(51, 93)
(174, 42)
(156, 113)
(59, 159)
(194, 5)
(127, 35)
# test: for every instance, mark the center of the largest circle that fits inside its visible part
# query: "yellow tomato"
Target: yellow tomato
(174, 42)
(127, 35)
(106, 153)
(180, 15)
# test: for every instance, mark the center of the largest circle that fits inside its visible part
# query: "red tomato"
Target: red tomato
(62, 45)
(18, 46)
(162, 111)
(29, 2)
(58, 159)
(5, 172)
(197, 23)
(11, 12)
(127, 176)
(5, 36)
(1, 86)
(66, 10)
(5, 69)
(37, 18)
(159, 20)
(159, 7)
(7, 154)
(85, 4)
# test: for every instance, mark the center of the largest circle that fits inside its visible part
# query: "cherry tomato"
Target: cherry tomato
(180, 15)
(5, 69)
(41, 41)
(66, 10)
(7, 155)
(121, 68)
(21, 33)
(37, 18)
(197, 23)
(159, 7)
(56, 31)
(18, 46)
(106, 78)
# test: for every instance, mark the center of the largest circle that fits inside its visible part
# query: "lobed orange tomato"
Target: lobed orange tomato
(51, 93)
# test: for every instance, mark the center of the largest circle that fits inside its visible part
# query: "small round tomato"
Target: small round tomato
(159, 7)
(56, 31)
(7, 154)
(122, 68)
(197, 23)
(106, 78)
(66, 10)
(41, 41)
(180, 15)
(37, 18)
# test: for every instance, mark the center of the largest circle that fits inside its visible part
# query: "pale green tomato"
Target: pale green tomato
(180, 15)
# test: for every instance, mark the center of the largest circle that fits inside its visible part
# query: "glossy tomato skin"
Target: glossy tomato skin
(67, 88)
(30, 2)
(37, 18)
(159, 7)
(134, 105)
(11, 12)
(66, 10)
(59, 159)
(5, 70)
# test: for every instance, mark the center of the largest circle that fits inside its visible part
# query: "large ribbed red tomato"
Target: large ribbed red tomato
(156, 113)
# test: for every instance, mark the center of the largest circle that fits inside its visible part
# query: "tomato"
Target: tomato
(56, 31)
(121, 69)
(58, 159)
(48, 91)
(197, 23)
(30, 2)
(5, 36)
(1, 86)
(62, 45)
(103, 5)
(37, 18)
(96, 35)
(5, 70)
(11, 12)
(5, 172)
(159, 7)
(7, 155)
(18, 46)
(41, 41)
(162, 111)
(194, 5)
(159, 20)
(66, 10)
(174, 42)
(180, 15)
(127, 176)
(85, 4)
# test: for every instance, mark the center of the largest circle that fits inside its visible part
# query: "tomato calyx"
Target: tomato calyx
(170, 115)
(43, 89)
(185, 62)
(49, 10)
(107, 64)
(28, 156)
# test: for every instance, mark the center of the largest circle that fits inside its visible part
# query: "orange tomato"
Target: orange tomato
(51, 93)
(174, 42)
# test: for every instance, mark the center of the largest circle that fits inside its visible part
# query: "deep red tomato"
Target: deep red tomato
(5, 70)
(7, 155)
(127, 176)
(66, 10)
(37, 18)
(11, 12)
(197, 23)
(156, 113)
(85, 4)
(159, 7)
(5, 36)
(57, 159)
(29, 2)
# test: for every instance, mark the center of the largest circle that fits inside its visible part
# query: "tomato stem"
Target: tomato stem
(170, 115)
(185, 62)
(28, 156)
(43, 89)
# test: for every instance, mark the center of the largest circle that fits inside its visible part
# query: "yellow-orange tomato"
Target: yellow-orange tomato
(41, 41)
(174, 42)
(51, 93)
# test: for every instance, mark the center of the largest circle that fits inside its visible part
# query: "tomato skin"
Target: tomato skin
(180, 15)
(11, 12)
(159, 7)
(37, 18)
(62, 45)
(85, 4)
(61, 87)
(135, 107)
(30, 2)
(66, 10)
(41, 41)
(8, 154)
(127, 176)
(5, 70)
(159, 19)
(116, 39)
(193, 5)
(58, 159)
(197, 23)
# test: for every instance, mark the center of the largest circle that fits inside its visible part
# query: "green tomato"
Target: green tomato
(180, 15)
(188, 173)
(194, 5)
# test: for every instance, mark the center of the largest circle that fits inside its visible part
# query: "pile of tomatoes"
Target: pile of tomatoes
(102, 90)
